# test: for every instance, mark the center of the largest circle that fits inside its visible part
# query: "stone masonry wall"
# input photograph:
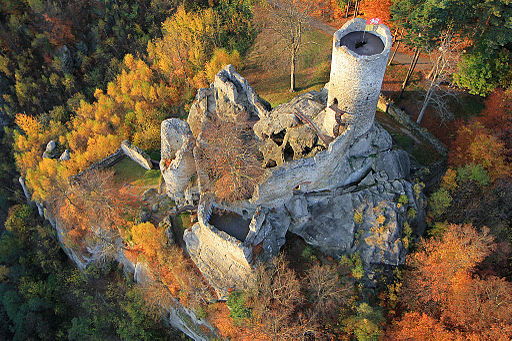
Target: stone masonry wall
(222, 259)
(136, 154)
(356, 80)
(401, 117)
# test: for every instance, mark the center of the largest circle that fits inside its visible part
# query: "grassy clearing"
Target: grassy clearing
(267, 66)
(128, 171)
(149, 179)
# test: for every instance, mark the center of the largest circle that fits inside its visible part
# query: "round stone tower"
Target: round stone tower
(358, 65)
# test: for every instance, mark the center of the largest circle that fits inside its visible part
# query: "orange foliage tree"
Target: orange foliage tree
(229, 156)
(377, 9)
(95, 209)
(443, 293)
(150, 238)
(487, 140)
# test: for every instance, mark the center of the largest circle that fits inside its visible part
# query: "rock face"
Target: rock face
(284, 136)
(342, 196)
(65, 156)
(50, 150)
(228, 96)
(177, 160)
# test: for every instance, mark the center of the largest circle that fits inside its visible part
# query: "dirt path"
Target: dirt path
(400, 57)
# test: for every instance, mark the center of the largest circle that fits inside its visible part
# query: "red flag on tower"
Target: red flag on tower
(374, 21)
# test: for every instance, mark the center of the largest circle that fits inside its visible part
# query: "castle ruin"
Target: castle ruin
(326, 163)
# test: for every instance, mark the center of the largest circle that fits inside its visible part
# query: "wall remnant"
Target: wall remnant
(136, 154)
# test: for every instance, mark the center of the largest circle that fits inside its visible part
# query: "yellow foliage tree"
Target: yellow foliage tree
(185, 47)
(221, 58)
(29, 143)
(150, 238)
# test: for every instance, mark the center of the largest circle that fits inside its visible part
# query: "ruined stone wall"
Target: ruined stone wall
(356, 80)
(332, 168)
(107, 162)
(401, 117)
(318, 172)
(136, 154)
(223, 259)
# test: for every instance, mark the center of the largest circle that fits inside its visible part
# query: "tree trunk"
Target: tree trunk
(292, 72)
(425, 104)
(394, 53)
(397, 45)
(356, 8)
(349, 2)
(411, 70)
(434, 72)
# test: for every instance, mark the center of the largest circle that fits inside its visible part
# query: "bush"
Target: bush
(308, 254)
(365, 324)
(237, 303)
(404, 200)
(358, 217)
(474, 173)
(439, 202)
(355, 263)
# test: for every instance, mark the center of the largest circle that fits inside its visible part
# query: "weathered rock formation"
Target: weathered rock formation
(177, 161)
(341, 197)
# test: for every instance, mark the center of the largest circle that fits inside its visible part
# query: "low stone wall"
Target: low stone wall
(401, 117)
(136, 154)
(109, 161)
(126, 149)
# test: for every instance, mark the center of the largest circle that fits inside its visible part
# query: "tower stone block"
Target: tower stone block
(359, 58)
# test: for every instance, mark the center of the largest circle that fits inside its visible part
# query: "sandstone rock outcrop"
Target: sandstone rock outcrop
(177, 160)
(65, 156)
(50, 151)
(229, 95)
(351, 194)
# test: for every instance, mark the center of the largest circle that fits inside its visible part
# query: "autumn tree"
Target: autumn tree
(229, 157)
(150, 238)
(275, 299)
(442, 288)
(377, 9)
(444, 63)
(289, 19)
(94, 209)
(478, 145)
(31, 139)
(328, 290)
